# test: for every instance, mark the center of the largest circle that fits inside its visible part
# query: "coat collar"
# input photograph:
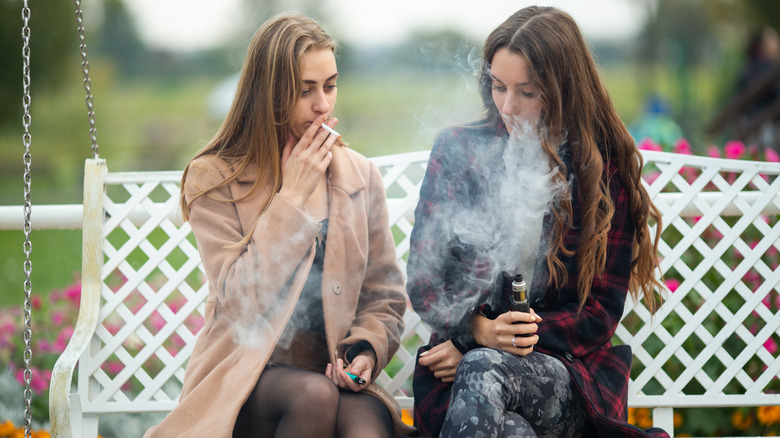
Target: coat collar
(342, 171)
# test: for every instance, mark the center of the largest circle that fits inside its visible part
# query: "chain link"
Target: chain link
(27, 158)
(87, 81)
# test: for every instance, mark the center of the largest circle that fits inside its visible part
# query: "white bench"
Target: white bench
(143, 293)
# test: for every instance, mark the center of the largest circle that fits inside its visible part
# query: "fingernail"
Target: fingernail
(424, 353)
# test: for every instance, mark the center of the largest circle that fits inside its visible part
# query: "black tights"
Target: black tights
(288, 402)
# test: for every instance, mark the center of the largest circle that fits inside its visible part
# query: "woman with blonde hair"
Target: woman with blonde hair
(551, 370)
(306, 300)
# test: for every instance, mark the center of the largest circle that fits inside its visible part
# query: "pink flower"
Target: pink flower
(177, 341)
(649, 145)
(57, 318)
(752, 279)
(672, 284)
(62, 339)
(771, 155)
(114, 367)
(36, 302)
(734, 149)
(44, 346)
(40, 379)
(5, 340)
(771, 346)
(682, 147)
(689, 173)
(73, 293)
(158, 322)
(651, 176)
(713, 151)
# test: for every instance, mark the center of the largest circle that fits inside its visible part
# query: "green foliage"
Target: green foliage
(52, 43)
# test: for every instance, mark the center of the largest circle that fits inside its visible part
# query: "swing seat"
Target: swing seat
(144, 288)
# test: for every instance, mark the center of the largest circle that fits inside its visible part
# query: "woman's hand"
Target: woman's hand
(362, 366)
(304, 163)
(443, 360)
(502, 334)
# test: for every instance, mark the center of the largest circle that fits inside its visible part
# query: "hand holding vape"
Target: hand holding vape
(359, 380)
(518, 299)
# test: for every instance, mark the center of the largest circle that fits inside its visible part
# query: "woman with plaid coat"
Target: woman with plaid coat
(553, 371)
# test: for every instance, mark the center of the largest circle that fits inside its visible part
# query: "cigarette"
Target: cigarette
(356, 379)
(332, 131)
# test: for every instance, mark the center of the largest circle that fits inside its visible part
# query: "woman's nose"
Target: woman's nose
(510, 106)
(321, 105)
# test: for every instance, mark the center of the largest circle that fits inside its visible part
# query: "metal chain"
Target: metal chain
(27, 158)
(87, 81)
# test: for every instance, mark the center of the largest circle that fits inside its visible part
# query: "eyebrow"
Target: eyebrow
(311, 82)
(522, 84)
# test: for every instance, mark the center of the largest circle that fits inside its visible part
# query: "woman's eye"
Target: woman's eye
(528, 95)
(499, 87)
(331, 87)
(305, 92)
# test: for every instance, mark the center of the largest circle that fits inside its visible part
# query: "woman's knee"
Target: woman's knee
(316, 392)
(480, 360)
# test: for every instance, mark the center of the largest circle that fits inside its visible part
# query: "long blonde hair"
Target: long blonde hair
(576, 108)
(261, 115)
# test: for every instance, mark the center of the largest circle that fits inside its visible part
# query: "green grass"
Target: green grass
(55, 257)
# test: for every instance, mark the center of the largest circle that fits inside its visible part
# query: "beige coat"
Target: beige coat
(253, 288)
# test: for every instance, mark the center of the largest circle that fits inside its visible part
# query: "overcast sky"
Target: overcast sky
(195, 24)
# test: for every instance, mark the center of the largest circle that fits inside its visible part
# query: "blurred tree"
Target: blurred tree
(764, 12)
(118, 39)
(52, 42)
(688, 36)
(677, 36)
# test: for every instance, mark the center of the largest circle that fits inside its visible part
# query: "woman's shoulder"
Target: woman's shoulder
(208, 166)
(205, 172)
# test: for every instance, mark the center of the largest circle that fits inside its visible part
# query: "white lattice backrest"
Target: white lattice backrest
(710, 344)
(714, 341)
(154, 288)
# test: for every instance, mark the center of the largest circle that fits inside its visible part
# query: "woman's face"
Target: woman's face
(513, 94)
(318, 89)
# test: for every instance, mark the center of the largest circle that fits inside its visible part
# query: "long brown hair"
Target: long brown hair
(576, 108)
(261, 115)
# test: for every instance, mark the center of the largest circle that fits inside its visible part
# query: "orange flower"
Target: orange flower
(632, 416)
(768, 415)
(740, 421)
(406, 417)
(41, 434)
(678, 420)
(643, 419)
(6, 428)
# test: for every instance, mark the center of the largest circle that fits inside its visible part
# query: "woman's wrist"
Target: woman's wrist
(476, 326)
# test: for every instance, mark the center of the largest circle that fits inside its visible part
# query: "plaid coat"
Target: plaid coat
(440, 273)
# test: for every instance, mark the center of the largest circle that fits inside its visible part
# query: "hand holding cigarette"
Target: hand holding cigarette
(305, 161)
(331, 130)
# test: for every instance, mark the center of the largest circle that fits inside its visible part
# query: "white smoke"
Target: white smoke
(500, 231)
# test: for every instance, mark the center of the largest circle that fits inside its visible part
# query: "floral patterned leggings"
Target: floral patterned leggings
(499, 394)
